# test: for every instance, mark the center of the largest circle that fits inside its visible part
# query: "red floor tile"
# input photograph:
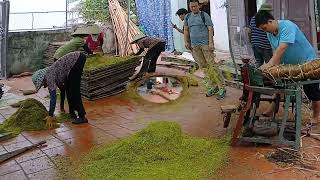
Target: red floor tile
(29, 155)
(18, 175)
(19, 138)
(67, 135)
(91, 133)
(133, 126)
(76, 126)
(43, 94)
(80, 144)
(44, 136)
(110, 126)
(52, 143)
(119, 133)
(9, 167)
(16, 146)
(97, 123)
(36, 133)
(2, 148)
(104, 139)
(128, 115)
(97, 119)
(62, 128)
(37, 165)
(44, 175)
(64, 150)
(7, 112)
(63, 162)
(2, 119)
(3, 152)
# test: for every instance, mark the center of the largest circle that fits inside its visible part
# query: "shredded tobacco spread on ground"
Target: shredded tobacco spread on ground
(192, 81)
(98, 62)
(161, 151)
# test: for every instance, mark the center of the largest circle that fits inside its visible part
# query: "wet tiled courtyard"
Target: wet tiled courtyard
(119, 116)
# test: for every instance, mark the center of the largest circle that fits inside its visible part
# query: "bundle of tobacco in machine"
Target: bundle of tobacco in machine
(309, 70)
(105, 76)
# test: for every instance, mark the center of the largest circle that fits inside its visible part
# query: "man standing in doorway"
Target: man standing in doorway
(260, 44)
(198, 36)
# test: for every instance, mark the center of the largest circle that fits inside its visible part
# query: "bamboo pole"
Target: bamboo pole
(119, 20)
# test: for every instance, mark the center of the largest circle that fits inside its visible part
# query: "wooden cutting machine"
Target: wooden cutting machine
(279, 129)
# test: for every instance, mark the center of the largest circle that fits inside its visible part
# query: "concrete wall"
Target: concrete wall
(219, 19)
(25, 49)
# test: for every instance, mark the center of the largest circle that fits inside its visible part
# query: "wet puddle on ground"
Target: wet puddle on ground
(160, 89)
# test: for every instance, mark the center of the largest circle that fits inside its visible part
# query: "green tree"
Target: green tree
(97, 10)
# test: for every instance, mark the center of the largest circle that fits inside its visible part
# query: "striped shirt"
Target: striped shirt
(258, 37)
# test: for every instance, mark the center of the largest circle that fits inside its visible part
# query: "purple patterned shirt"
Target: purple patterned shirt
(59, 70)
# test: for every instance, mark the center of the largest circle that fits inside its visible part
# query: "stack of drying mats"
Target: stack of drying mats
(49, 52)
(105, 76)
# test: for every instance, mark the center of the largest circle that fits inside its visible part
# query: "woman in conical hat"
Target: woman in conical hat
(77, 43)
(154, 46)
(66, 74)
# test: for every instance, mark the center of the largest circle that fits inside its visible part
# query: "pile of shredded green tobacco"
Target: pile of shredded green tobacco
(161, 151)
(98, 62)
(28, 117)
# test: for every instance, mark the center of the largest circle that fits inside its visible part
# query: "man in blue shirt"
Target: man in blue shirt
(260, 44)
(198, 36)
(290, 47)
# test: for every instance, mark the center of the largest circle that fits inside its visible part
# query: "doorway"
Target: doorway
(250, 10)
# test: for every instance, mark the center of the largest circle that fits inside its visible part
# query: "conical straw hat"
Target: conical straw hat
(137, 38)
(81, 31)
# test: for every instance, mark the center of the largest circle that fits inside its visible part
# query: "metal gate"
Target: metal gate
(4, 24)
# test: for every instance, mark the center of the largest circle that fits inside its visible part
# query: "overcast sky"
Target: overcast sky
(37, 5)
(24, 21)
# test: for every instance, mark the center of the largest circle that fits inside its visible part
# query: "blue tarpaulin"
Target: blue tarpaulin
(155, 18)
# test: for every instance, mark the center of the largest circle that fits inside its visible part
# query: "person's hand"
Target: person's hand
(173, 25)
(188, 46)
(51, 122)
(265, 66)
(211, 46)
